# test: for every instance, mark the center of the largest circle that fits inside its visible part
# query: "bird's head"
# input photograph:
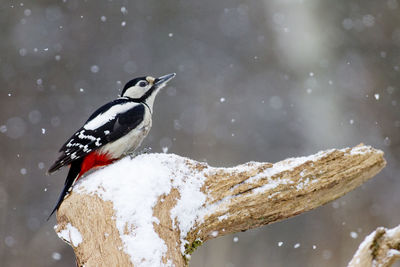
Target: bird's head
(145, 87)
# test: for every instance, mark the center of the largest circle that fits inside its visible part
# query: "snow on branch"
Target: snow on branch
(155, 209)
(381, 248)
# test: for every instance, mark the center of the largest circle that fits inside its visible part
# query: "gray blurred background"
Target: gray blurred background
(256, 81)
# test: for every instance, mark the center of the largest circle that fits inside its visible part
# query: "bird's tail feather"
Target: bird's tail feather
(69, 181)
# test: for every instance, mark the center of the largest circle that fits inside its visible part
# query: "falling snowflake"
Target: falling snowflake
(353, 235)
(23, 171)
(56, 256)
(94, 68)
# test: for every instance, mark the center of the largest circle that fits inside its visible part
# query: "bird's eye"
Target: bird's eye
(143, 84)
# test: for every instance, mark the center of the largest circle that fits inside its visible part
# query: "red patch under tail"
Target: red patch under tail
(94, 160)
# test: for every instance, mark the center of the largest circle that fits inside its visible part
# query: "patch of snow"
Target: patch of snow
(214, 233)
(367, 242)
(392, 232)
(273, 194)
(270, 185)
(223, 217)
(290, 164)
(71, 235)
(393, 252)
(303, 184)
(359, 150)
(141, 182)
(286, 165)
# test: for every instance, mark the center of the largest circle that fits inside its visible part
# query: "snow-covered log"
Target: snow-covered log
(381, 248)
(155, 209)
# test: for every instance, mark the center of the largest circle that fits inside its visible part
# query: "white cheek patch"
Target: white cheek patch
(135, 91)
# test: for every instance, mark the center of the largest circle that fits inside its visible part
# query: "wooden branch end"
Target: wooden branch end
(380, 248)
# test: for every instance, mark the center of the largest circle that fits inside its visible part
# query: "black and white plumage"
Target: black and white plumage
(112, 131)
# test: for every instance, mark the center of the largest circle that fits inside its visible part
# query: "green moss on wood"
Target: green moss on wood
(190, 248)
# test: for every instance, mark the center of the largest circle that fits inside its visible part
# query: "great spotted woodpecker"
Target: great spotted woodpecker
(111, 132)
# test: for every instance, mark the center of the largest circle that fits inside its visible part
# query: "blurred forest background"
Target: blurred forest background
(256, 81)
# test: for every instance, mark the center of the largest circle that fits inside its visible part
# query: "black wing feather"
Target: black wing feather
(100, 110)
(85, 141)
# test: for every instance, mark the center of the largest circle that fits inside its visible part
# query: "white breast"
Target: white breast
(130, 141)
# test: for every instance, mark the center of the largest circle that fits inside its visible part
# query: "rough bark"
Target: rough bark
(381, 248)
(239, 198)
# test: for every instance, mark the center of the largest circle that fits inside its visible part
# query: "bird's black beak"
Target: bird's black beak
(162, 81)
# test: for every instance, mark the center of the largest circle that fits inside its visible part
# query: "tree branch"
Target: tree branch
(156, 209)
(381, 248)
